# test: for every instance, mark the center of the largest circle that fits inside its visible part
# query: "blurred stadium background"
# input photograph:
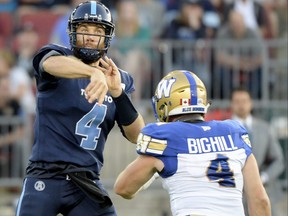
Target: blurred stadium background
(26, 25)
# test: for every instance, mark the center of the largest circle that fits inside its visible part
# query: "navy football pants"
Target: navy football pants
(48, 197)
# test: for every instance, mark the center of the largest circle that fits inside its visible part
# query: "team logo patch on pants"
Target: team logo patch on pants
(39, 185)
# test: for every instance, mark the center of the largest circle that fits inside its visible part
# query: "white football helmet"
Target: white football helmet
(179, 92)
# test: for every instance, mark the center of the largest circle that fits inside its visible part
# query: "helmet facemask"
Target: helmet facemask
(160, 113)
(89, 55)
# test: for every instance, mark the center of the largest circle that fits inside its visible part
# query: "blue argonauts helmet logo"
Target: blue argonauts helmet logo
(39, 185)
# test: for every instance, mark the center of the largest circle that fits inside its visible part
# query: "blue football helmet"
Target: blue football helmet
(90, 12)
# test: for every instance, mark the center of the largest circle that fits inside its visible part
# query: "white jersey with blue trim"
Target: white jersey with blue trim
(202, 164)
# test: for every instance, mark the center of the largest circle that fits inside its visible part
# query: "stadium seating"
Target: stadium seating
(6, 28)
(42, 20)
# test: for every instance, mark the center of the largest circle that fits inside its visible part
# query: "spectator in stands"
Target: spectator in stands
(238, 58)
(211, 18)
(152, 14)
(189, 29)
(281, 11)
(265, 145)
(271, 30)
(220, 7)
(272, 27)
(252, 12)
(21, 85)
(9, 107)
(25, 46)
(131, 38)
(188, 24)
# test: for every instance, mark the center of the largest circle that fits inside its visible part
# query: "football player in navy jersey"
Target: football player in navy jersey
(204, 165)
(80, 95)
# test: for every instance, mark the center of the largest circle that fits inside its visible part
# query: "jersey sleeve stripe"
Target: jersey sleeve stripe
(157, 146)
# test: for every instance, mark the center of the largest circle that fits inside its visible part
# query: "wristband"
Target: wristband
(126, 112)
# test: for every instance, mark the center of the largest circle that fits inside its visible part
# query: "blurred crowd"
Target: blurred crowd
(26, 25)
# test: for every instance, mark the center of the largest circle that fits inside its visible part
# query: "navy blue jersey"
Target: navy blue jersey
(68, 129)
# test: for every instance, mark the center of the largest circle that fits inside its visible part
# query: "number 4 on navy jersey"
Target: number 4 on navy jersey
(88, 126)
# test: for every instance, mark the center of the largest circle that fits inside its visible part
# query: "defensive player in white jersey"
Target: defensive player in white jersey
(205, 166)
